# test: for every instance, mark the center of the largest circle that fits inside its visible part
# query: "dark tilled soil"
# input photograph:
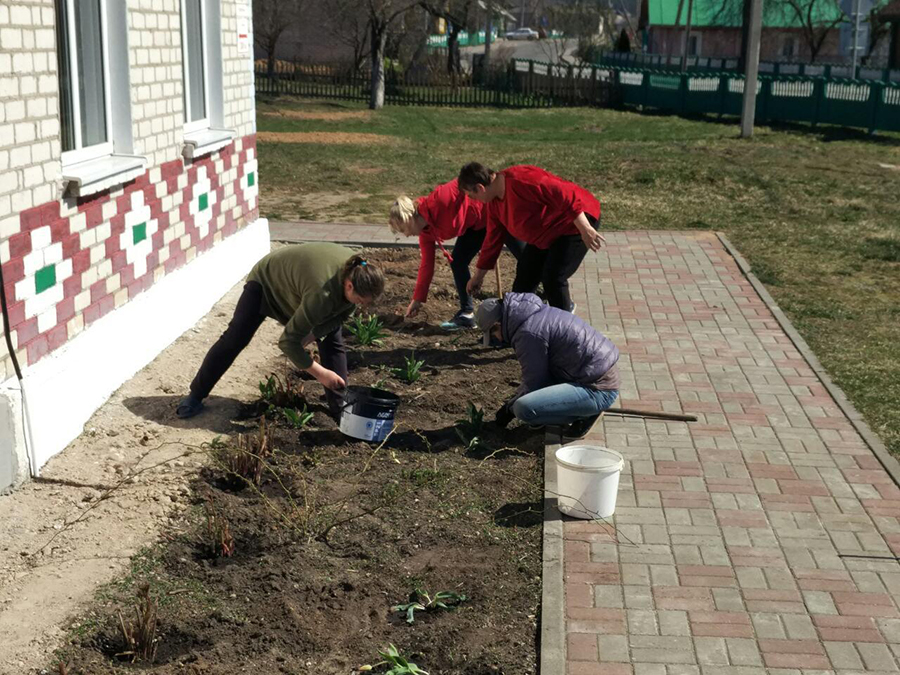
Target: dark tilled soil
(339, 531)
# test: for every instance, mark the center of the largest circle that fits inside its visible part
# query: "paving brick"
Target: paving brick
(802, 661)
(582, 647)
(584, 668)
(743, 652)
(843, 655)
(877, 657)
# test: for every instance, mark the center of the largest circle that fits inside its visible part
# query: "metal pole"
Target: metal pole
(748, 114)
(488, 34)
(687, 36)
(855, 35)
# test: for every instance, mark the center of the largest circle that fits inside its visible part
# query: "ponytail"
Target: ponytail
(367, 280)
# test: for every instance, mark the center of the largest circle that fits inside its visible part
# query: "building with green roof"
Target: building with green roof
(793, 30)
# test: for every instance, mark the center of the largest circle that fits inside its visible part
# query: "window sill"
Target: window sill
(199, 143)
(96, 175)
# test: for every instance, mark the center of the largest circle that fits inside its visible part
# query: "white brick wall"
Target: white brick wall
(29, 115)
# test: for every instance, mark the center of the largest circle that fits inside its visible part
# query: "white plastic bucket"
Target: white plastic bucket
(588, 480)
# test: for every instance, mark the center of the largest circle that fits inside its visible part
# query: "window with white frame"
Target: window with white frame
(85, 103)
(95, 96)
(196, 65)
(201, 40)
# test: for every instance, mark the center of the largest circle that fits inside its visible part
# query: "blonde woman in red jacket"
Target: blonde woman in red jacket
(445, 214)
(555, 218)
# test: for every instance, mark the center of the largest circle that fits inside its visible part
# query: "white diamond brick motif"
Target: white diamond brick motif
(137, 239)
(202, 202)
(45, 272)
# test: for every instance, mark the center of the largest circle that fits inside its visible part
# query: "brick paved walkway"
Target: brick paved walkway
(732, 551)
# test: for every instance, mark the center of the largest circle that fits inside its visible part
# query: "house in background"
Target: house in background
(128, 198)
(716, 31)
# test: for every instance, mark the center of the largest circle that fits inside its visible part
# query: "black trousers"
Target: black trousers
(246, 321)
(465, 249)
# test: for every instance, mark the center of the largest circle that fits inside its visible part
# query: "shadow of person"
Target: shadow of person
(218, 413)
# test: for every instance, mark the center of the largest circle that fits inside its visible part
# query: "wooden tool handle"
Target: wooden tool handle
(657, 414)
(497, 274)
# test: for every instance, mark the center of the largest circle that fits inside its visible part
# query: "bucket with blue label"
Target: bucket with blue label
(368, 413)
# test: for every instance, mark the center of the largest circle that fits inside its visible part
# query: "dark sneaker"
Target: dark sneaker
(460, 320)
(190, 405)
(579, 427)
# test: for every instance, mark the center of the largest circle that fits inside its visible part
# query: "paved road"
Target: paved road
(539, 50)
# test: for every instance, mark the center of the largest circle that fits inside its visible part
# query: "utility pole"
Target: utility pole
(751, 73)
(687, 36)
(488, 34)
(856, 13)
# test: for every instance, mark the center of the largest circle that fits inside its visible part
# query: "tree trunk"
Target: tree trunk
(453, 51)
(379, 35)
(270, 66)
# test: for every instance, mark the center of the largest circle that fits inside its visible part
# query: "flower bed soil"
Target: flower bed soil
(339, 530)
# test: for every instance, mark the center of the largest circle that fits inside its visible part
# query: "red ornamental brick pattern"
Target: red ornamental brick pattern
(25, 329)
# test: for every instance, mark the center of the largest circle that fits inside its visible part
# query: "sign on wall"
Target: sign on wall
(243, 27)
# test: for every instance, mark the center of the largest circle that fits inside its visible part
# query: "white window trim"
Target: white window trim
(207, 135)
(87, 171)
(204, 123)
(82, 153)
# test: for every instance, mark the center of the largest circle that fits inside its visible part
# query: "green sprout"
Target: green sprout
(469, 428)
(367, 331)
(424, 602)
(297, 418)
(399, 665)
(412, 370)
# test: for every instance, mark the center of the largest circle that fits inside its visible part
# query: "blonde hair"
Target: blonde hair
(402, 211)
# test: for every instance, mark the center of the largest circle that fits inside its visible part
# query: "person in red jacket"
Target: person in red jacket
(445, 214)
(556, 219)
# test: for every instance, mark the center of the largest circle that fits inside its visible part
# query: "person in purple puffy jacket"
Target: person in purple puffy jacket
(569, 370)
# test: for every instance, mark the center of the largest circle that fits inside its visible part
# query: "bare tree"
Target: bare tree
(382, 13)
(270, 19)
(459, 15)
(817, 18)
(349, 26)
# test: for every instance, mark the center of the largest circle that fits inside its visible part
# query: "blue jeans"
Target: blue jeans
(562, 404)
(465, 249)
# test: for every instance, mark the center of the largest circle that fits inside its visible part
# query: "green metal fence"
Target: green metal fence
(868, 104)
(717, 65)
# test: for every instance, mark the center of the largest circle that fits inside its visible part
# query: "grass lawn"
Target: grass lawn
(815, 212)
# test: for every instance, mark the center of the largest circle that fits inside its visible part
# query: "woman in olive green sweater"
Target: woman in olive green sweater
(310, 289)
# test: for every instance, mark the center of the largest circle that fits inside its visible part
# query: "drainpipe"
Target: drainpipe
(4, 308)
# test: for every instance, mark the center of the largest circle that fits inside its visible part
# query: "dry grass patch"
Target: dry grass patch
(325, 138)
(320, 115)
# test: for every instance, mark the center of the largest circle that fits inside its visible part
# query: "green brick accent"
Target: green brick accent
(45, 278)
(251, 179)
(140, 233)
(204, 201)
